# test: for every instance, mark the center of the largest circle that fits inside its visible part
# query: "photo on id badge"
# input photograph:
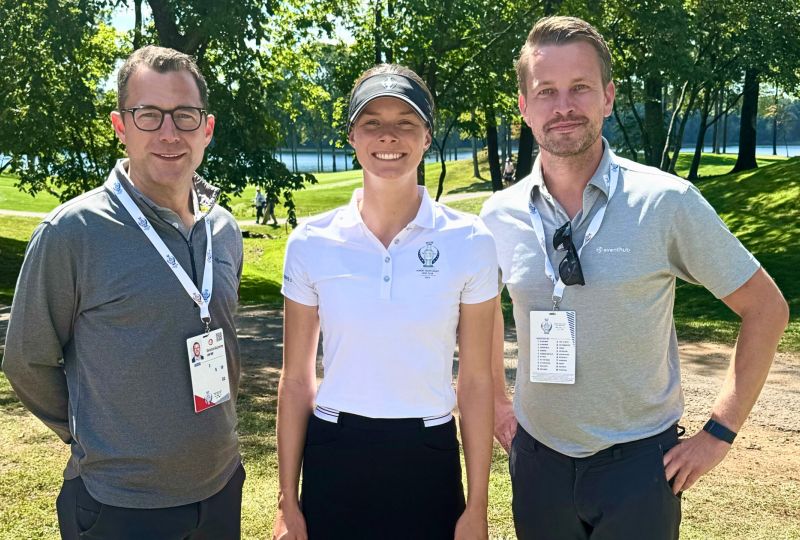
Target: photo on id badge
(208, 367)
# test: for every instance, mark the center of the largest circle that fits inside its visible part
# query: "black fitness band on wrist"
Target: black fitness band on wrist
(719, 431)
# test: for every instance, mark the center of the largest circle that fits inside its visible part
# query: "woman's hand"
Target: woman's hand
(289, 522)
(472, 525)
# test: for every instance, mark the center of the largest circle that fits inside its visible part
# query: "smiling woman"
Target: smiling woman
(389, 279)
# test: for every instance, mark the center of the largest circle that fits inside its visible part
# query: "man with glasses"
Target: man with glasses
(120, 289)
(589, 247)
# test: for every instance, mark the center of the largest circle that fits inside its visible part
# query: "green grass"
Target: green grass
(16, 231)
(11, 198)
(761, 208)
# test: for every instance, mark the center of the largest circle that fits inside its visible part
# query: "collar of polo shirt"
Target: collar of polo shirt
(537, 179)
(425, 217)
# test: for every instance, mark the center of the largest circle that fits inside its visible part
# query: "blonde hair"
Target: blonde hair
(561, 31)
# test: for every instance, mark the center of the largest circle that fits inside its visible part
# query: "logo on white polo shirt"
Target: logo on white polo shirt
(601, 250)
(428, 255)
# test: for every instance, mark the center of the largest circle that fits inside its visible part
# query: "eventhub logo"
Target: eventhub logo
(601, 250)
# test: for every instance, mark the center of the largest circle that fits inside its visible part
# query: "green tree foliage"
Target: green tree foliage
(58, 57)
(54, 126)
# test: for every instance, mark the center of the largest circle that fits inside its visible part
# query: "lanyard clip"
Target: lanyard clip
(207, 322)
(556, 302)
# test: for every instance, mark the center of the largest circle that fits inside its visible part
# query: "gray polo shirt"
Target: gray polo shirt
(96, 346)
(657, 227)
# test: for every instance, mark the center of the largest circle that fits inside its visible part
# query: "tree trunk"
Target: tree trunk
(725, 133)
(421, 172)
(775, 125)
(653, 121)
(701, 136)
(665, 150)
(333, 154)
(377, 32)
(491, 144)
(747, 128)
(524, 153)
(502, 141)
(137, 24)
(631, 149)
(679, 138)
(717, 112)
(390, 13)
(442, 155)
(476, 172)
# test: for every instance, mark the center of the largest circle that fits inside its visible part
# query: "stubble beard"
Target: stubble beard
(557, 145)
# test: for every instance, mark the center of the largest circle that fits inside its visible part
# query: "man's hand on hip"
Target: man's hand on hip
(687, 461)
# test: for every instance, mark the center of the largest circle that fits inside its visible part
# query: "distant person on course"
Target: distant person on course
(116, 287)
(508, 172)
(590, 246)
(393, 279)
(260, 202)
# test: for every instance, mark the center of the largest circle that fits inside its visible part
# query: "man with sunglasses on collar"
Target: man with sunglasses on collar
(589, 247)
(120, 289)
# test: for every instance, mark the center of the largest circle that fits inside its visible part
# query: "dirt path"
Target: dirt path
(768, 445)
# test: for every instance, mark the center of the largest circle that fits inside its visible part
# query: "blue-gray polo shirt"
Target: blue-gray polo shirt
(657, 227)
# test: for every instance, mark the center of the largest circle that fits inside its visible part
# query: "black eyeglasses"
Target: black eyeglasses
(570, 266)
(149, 118)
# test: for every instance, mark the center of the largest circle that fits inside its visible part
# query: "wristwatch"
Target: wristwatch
(719, 431)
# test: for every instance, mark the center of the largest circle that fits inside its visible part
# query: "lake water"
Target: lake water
(761, 150)
(307, 161)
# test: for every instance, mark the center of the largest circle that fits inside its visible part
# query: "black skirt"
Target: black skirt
(381, 478)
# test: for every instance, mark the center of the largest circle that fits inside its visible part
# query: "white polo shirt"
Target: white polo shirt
(389, 315)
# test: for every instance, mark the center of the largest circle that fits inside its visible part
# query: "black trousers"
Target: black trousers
(215, 518)
(369, 478)
(619, 493)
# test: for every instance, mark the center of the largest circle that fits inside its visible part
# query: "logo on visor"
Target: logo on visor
(389, 83)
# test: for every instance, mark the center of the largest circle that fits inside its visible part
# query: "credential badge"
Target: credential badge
(389, 83)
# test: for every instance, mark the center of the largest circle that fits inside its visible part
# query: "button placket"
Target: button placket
(386, 275)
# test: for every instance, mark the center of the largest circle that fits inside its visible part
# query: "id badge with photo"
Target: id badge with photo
(553, 347)
(208, 366)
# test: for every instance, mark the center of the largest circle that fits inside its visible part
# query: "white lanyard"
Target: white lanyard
(202, 300)
(594, 226)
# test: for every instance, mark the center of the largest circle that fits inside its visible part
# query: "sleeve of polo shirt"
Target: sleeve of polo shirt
(703, 251)
(297, 284)
(482, 282)
(41, 326)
